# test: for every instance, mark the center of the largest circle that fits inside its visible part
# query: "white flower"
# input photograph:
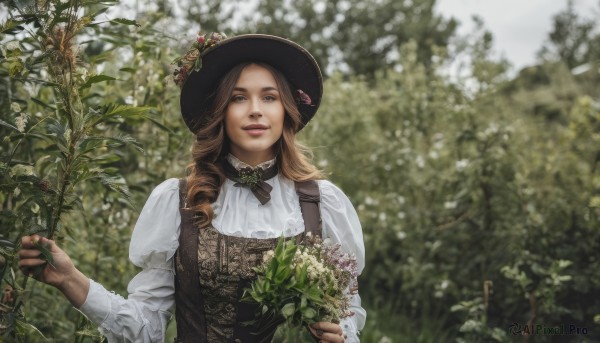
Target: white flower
(21, 121)
(15, 107)
(450, 205)
(493, 128)
(401, 215)
(13, 45)
(462, 164)
(401, 235)
(420, 161)
(268, 255)
(21, 169)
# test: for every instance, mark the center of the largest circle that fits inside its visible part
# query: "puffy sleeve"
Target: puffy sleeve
(143, 316)
(341, 225)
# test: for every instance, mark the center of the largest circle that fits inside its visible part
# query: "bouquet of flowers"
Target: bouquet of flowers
(302, 284)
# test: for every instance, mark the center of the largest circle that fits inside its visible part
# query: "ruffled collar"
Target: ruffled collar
(252, 178)
(237, 164)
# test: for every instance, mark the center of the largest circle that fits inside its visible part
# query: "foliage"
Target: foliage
(342, 35)
(301, 284)
(479, 197)
(467, 199)
(65, 148)
(574, 40)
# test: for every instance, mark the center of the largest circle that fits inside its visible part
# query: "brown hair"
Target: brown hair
(206, 175)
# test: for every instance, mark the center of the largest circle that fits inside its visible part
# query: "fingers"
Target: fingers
(30, 258)
(327, 332)
(30, 242)
(31, 262)
(29, 253)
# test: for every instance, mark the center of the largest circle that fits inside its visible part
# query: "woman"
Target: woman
(244, 98)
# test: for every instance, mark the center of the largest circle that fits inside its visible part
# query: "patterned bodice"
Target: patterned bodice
(225, 264)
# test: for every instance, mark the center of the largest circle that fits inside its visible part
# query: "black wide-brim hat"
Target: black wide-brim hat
(293, 61)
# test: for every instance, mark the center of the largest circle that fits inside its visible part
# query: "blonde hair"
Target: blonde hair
(205, 173)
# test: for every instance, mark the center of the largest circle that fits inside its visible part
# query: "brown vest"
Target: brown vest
(212, 270)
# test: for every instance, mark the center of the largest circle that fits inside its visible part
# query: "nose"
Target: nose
(255, 109)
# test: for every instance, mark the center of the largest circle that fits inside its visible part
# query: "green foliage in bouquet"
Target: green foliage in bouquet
(301, 285)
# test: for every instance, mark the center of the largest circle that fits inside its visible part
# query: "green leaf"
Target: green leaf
(309, 313)
(279, 247)
(6, 243)
(198, 64)
(302, 275)
(42, 247)
(11, 27)
(125, 111)
(26, 328)
(124, 21)
(42, 103)
(288, 310)
(5, 124)
(161, 126)
(100, 11)
(15, 68)
(96, 79)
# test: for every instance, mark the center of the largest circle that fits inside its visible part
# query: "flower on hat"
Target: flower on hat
(192, 60)
(303, 98)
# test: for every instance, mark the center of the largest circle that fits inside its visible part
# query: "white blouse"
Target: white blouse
(143, 316)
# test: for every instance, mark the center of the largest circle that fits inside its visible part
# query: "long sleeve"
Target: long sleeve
(341, 225)
(143, 316)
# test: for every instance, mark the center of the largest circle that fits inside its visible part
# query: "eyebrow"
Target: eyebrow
(264, 89)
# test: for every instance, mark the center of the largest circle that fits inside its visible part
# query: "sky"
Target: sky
(519, 26)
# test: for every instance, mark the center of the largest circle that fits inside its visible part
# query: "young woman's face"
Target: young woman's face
(254, 117)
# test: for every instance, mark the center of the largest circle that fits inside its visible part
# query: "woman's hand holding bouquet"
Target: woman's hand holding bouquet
(304, 285)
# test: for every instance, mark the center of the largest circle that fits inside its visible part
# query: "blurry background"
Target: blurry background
(474, 166)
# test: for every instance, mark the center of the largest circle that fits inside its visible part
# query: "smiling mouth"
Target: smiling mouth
(255, 127)
(255, 130)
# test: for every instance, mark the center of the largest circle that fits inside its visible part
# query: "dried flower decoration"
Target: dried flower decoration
(191, 60)
(251, 177)
(303, 98)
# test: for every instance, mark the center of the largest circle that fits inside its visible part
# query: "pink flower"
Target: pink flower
(303, 98)
(200, 39)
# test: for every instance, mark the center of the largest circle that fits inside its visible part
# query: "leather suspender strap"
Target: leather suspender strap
(309, 196)
(189, 309)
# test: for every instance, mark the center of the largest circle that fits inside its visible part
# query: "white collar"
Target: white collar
(237, 164)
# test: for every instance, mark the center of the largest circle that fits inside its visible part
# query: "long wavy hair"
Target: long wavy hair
(205, 173)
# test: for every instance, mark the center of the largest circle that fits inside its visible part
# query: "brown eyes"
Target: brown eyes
(241, 98)
(237, 98)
